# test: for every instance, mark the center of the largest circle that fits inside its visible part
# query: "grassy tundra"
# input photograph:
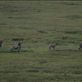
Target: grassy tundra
(41, 22)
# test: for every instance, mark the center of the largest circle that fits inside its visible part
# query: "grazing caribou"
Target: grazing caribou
(52, 46)
(17, 47)
(1, 42)
(80, 46)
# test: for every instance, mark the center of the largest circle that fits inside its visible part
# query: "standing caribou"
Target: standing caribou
(1, 43)
(52, 46)
(80, 46)
(18, 45)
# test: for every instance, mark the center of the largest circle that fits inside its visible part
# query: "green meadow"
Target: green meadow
(38, 23)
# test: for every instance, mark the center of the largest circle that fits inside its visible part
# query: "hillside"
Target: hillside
(38, 23)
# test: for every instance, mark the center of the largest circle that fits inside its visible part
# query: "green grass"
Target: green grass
(41, 22)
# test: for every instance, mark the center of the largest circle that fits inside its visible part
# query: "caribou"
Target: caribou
(80, 46)
(52, 46)
(16, 47)
(1, 43)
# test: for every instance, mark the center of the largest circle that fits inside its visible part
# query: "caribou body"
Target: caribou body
(1, 43)
(52, 46)
(80, 46)
(17, 47)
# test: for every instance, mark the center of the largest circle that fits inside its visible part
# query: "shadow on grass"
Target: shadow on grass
(23, 51)
(68, 50)
(8, 51)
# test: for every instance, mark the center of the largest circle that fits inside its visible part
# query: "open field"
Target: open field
(41, 22)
